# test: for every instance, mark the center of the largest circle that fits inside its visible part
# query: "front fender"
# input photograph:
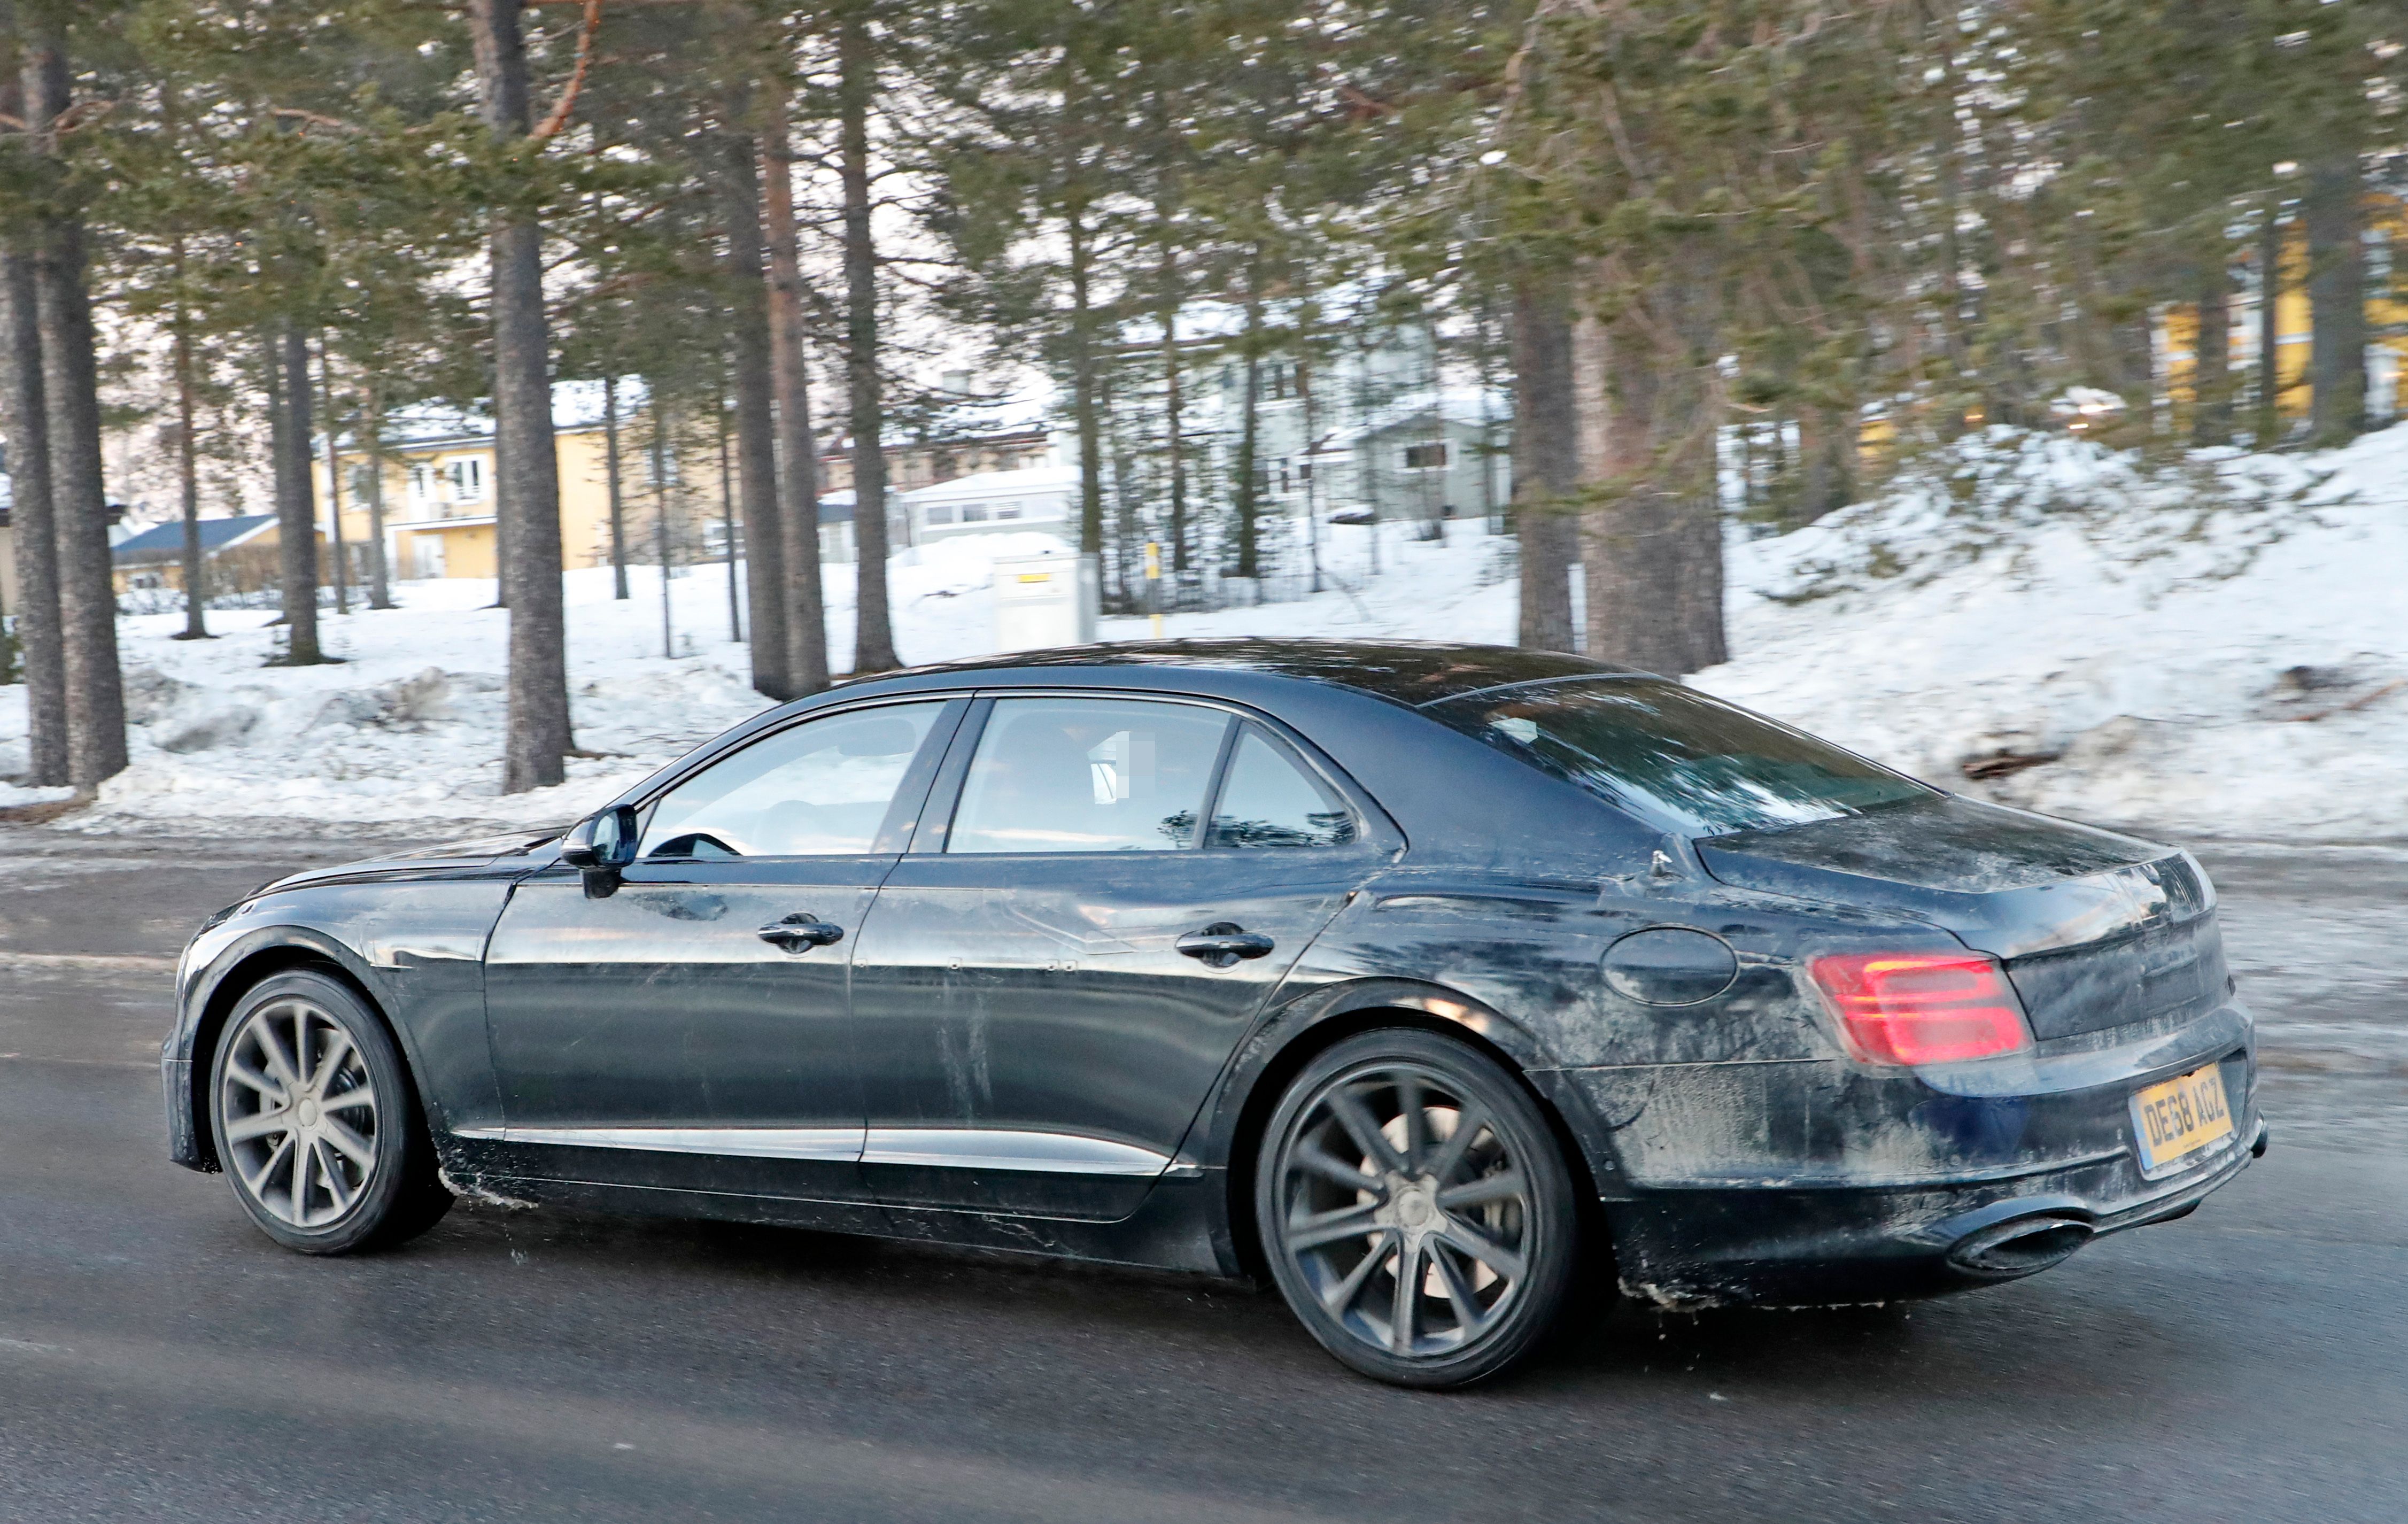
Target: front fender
(415, 949)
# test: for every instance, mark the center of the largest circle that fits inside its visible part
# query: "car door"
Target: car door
(1052, 978)
(686, 1028)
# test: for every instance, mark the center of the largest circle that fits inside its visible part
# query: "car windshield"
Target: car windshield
(1675, 758)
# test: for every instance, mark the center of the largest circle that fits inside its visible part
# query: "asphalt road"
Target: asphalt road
(159, 1359)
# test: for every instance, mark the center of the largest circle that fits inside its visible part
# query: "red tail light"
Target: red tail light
(1922, 1008)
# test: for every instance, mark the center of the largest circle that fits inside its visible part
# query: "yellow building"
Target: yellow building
(2387, 324)
(438, 501)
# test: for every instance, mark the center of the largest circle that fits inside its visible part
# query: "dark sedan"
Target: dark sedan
(1442, 985)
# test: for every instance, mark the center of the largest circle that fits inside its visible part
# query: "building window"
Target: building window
(464, 479)
(973, 513)
(660, 468)
(940, 513)
(1007, 511)
(1425, 457)
(421, 485)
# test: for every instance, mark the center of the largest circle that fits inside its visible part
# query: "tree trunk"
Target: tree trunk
(188, 474)
(2336, 299)
(25, 417)
(799, 450)
(661, 507)
(2211, 371)
(1249, 499)
(1827, 451)
(727, 534)
(334, 483)
(756, 427)
(1546, 461)
(526, 469)
(79, 497)
(613, 486)
(296, 511)
(379, 574)
(2270, 330)
(856, 83)
(1174, 426)
(1651, 547)
(1084, 412)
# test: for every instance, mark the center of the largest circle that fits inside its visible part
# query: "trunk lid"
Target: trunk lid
(2095, 929)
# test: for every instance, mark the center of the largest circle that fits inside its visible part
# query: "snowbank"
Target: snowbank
(2213, 652)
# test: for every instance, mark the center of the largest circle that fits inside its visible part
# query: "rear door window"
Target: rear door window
(1088, 775)
(1675, 758)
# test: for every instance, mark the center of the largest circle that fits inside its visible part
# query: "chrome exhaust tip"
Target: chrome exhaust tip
(2021, 1246)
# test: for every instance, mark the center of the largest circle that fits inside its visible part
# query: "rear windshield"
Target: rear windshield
(1675, 758)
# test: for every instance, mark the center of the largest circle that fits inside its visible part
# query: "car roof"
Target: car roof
(1410, 672)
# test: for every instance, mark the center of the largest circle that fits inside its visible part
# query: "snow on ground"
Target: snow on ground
(2217, 651)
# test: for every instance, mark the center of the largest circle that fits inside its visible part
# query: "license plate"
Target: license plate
(2178, 1118)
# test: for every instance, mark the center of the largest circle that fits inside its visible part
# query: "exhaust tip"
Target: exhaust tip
(2022, 1246)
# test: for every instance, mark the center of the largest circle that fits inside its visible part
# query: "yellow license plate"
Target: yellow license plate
(2178, 1118)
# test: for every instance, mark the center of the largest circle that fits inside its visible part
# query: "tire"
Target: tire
(316, 1121)
(1346, 1188)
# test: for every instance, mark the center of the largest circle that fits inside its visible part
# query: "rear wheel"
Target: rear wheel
(1416, 1211)
(316, 1122)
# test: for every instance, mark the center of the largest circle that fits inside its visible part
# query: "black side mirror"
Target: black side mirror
(600, 847)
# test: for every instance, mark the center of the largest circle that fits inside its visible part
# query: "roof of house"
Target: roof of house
(166, 541)
(1025, 481)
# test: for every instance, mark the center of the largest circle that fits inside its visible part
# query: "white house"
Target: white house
(988, 502)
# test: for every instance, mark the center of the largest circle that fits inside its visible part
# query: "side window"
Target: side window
(1087, 775)
(820, 789)
(1269, 801)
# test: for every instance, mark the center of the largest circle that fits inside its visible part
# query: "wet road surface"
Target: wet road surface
(159, 1359)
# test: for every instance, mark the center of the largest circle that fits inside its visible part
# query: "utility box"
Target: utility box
(1045, 600)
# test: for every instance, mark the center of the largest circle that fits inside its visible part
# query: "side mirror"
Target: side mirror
(601, 846)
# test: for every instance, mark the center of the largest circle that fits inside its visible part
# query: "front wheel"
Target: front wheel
(316, 1123)
(1416, 1211)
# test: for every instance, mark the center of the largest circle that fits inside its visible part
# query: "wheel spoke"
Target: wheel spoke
(271, 1047)
(1356, 1119)
(1416, 1114)
(258, 1181)
(345, 1101)
(330, 1063)
(1468, 1315)
(1505, 1186)
(349, 1143)
(1478, 1244)
(1312, 1160)
(1306, 1234)
(257, 1125)
(1401, 1318)
(1468, 1124)
(337, 1187)
(301, 1158)
(243, 1074)
(1342, 1296)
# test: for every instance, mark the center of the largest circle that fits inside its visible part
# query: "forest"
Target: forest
(1722, 265)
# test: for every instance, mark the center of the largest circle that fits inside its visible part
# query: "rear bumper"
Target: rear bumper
(1813, 1184)
(1820, 1247)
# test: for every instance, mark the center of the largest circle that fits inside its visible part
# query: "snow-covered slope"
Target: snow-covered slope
(2219, 650)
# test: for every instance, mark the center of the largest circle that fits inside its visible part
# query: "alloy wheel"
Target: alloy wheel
(300, 1113)
(1402, 1210)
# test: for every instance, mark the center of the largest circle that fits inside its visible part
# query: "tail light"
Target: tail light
(1922, 1008)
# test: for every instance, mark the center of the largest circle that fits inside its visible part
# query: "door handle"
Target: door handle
(801, 933)
(1221, 945)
